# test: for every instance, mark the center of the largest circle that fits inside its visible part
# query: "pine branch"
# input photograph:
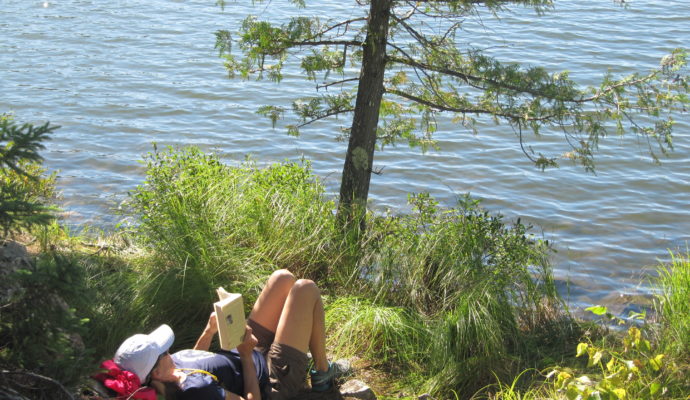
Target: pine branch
(324, 43)
(446, 107)
(324, 115)
(326, 85)
(476, 79)
(346, 23)
(21, 143)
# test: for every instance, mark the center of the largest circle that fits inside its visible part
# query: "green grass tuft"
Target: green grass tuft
(382, 334)
(207, 224)
(674, 304)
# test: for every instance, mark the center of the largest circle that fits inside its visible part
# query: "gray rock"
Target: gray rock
(356, 389)
(12, 250)
(13, 256)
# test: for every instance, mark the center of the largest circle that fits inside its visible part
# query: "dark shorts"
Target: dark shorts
(287, 366)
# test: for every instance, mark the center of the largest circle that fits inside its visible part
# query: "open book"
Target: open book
(230, 318)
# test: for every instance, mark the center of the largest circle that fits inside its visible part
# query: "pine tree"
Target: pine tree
(412, 67)
(19, 154)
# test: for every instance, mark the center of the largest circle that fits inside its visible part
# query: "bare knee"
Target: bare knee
(306, 286)
(282, 277)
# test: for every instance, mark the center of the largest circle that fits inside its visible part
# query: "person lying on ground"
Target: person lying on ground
(285, 323)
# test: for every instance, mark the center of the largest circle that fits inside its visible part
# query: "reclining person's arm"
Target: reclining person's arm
(204, 341)
(251, 382)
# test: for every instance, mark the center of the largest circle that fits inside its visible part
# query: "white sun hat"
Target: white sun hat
(139, 353)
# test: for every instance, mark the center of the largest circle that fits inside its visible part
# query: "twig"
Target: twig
(40, 377)
(325, 85)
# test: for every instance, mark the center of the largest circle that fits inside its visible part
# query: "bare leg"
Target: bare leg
(302, 323)
(317, 342)
(269, 306)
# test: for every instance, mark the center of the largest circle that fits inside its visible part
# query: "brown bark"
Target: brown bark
(354, 187)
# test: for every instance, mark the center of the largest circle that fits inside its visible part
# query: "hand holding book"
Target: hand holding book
(248, 343)
(212, 324)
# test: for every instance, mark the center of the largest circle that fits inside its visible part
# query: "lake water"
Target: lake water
(120, 75)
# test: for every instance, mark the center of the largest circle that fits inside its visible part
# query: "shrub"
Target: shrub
(468, 277)
(429, 259)
(40, 327)
(23, 188)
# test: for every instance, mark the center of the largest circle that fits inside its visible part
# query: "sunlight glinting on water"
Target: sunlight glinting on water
(118, 76)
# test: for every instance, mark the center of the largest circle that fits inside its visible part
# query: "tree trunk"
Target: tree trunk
(354, 187)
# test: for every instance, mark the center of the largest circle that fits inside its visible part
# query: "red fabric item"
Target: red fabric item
(126, 384)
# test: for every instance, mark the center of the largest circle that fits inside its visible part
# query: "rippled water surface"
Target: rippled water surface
(119, 75)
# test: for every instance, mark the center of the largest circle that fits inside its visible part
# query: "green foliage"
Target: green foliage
(673, 305)
(515, 391)
(427, 73)
(21, 142)
(647, 361)
(394, 336)
(208, 224)
(631, 369)
(40, 327)
(455, 300)
(428, 260)
(111, 275)
(24, 195)
(23, 186)
(464, 279)
(473, 343)
(201, 212)
(438, 293)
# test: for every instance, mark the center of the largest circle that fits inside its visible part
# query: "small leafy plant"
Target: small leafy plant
(632, 370)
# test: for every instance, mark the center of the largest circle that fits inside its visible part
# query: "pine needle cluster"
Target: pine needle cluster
(22, 187)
